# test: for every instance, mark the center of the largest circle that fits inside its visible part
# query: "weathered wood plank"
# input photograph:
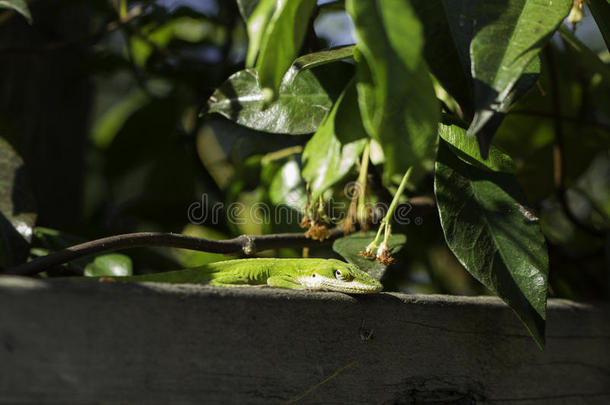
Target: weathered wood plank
(85, 342)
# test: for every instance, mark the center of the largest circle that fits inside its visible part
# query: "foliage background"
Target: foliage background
(106, 119)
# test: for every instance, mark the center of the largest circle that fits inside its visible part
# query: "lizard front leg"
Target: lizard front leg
(284, 282)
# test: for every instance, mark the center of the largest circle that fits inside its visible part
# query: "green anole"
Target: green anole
(296, 274)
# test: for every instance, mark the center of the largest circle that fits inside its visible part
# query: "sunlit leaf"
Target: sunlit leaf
(467, 148)
(258, 16)
(287, 187)
(337, 145)
(110, 265)
(479, 49)
(19, 6)
(489, 228)
(282, 41)
(507, 36)
(302, 102)
(397, 100)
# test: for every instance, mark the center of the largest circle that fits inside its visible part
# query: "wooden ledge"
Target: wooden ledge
(85, 342)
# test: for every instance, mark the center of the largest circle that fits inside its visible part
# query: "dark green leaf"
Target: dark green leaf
(468, 149)
(507, 36)
(17, 206)
(19, 6)
(397, 100)
(302, 103)
(110, 265)
(337, 145)
(447, 48)
(600, 9)
(478, 50)
(350, 247)
(494, 235)
(282, 41)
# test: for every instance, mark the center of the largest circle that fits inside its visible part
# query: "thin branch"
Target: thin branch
(558, 150)
(242, 245)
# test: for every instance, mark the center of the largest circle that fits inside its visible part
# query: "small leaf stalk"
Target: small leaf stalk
(381, 250)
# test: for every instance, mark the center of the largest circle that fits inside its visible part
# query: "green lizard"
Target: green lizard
(296, 274)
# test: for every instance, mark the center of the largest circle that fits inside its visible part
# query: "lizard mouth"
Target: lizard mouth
(351, 287)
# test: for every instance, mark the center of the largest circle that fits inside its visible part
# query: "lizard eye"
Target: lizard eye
(339, 274)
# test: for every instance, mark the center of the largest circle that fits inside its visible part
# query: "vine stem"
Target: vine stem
(387, 219)
(247, 245)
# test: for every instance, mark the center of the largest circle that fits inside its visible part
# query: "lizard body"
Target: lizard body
(299, 274)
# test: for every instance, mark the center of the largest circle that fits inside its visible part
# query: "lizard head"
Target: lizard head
(335, 275)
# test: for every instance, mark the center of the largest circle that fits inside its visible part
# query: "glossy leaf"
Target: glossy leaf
(302, 102)
(350, 247)
(467, 148)
(478, 50)
(396, 96)
(507, 37)
(524, 85)
(282, 40)
(17, 205)
(315, 59)
(110, 265)
(256, 23)
(600, 9)
(337, 145)
(19, 6)
(494, 235)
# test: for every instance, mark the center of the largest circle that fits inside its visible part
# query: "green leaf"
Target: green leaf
(508, 35)
(447, 48)
(282, 41)
(467, 149)
(337, 145)
(302, 103)
(287, 187)
(478, 50)
(524, 84)
(600, 9)
(496, 238)
(256, 24)
(110, 265)
(247, 7)
(349, 248)
(315, 59)
(19, 6)
(17, 205)
(106, 127)
(396, 96)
